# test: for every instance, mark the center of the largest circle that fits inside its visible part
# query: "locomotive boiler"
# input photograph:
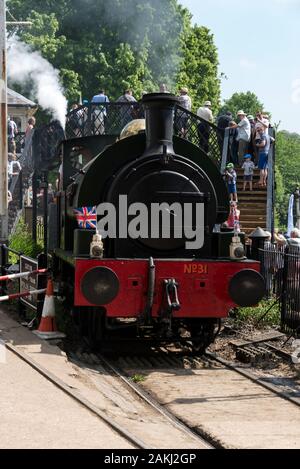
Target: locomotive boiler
(152, 268)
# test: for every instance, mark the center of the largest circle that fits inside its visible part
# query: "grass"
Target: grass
(253, 315)
(138, 378)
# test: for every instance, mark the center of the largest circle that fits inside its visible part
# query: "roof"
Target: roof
(16, 99)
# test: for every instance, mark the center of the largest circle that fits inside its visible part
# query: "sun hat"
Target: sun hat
(241, 113)
(207, 103)
(184, 90)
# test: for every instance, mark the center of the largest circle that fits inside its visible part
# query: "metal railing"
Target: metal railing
(111, 118)
(280, 267)
(101, 119)
(20, 141)
(207, 136)
(23, 263)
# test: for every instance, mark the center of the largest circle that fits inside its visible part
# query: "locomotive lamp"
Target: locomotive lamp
(237, 250)
(99, 285)
(96, 247)
(247, 288)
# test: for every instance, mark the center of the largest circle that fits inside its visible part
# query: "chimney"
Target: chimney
(159, 114)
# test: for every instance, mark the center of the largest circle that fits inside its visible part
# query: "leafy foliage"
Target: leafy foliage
(199, 64)
(288, 171)
(248, 102)
(254, 315)
(22, 241)
(120, 43)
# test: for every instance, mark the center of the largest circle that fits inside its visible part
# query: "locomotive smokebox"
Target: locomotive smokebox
(159, 114)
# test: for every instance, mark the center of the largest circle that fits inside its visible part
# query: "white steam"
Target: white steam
(23, 64)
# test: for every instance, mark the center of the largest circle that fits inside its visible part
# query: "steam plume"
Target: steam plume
(23, 65)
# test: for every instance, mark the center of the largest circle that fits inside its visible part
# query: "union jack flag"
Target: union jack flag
(86, 217)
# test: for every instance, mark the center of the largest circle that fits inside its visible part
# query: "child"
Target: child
(248, 168)
(234, 217)
(230, 177)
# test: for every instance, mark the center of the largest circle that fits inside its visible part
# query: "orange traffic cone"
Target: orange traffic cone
(47, 328)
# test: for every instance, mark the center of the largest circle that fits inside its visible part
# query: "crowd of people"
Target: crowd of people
(250, 145)
(78, 118)
(14, 166)
(280, 264)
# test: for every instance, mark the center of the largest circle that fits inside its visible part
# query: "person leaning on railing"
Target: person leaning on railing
(294, 239)
(99, 113)
(127, 113)
(185, 102)
(13, 169)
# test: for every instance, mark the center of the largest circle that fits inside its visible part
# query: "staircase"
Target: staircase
(252, 204)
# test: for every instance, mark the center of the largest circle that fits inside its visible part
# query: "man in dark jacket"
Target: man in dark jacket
(127, 113)
(223, 122)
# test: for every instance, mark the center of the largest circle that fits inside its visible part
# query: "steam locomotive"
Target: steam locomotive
(158, 285)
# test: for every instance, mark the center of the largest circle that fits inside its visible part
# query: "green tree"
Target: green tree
(288, 171)
(248, 101)
(199, 64)
(116, 44)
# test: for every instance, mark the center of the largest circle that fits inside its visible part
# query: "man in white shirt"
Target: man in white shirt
(243, 135)
(185, 102)
(205, 113)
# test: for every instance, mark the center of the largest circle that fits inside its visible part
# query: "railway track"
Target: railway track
(277, 386)
(161, 363)
(138, 443)
(169, 388)
(102, 365)
(195, 440)
(205, 440)
(160, 357)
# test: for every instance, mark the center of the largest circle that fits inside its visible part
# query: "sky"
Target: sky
(259, 51)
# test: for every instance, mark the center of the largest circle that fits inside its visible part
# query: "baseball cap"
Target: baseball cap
(230, 165)
(250, 117)
(248, 156)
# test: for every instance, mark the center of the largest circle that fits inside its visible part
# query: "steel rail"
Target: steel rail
(256, 379)
(77, 397)
(204, 439)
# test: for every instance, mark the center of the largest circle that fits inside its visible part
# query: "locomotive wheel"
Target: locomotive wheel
(90, 322)
(95, 326)
(202, 334)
